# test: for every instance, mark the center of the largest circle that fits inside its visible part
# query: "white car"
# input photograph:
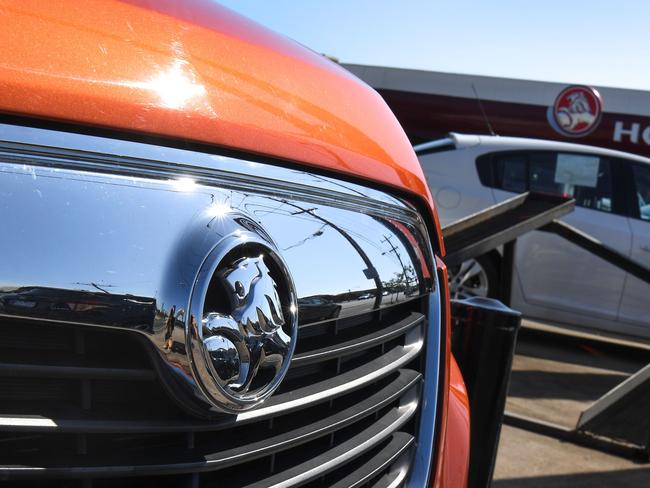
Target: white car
(555, 282)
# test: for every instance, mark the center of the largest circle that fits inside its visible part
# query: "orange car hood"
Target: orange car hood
(192, 70)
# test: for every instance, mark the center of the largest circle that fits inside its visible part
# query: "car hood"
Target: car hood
(195, 71)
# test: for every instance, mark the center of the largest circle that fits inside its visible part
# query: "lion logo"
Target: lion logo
(246, 349)
(576, 112)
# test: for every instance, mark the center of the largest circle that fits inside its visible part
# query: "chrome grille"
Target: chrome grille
(84, 405)
(103, 242)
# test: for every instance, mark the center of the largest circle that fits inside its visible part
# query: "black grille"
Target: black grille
(84, 406)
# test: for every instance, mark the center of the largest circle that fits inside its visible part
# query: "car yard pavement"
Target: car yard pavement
(554, 379)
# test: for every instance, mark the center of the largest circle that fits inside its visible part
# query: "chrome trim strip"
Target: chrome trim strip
(359, 343)
(397, 475)
(28, 422)
(397, 451)
(43, 147)
(352, 380)
(422, 467)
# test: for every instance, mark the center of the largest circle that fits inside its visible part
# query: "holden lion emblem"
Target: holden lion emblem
(246, 344)
(576, 112)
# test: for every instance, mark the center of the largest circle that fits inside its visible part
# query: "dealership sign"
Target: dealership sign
(430, 105)
(633, 132)
(576, 112)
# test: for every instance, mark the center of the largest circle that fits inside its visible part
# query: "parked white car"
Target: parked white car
(554, 282)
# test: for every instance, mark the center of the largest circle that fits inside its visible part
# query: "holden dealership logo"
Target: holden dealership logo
(576, 112)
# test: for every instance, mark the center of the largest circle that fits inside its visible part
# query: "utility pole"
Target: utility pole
(370, 272)
(394, 250)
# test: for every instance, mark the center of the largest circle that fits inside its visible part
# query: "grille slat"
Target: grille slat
(399, 445)
(337, 385)
(344, 452)
(360, 343)
(74, 372)
(397, 474)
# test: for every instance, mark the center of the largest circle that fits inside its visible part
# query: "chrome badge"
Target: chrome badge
(243, 346)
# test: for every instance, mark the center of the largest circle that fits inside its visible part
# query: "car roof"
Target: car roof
(498, 143)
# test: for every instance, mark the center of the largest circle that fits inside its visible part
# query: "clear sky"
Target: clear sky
(598, 42)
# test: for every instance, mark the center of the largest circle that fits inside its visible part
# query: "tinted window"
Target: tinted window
(541, 173)
(642, 182)
(586, 178)
(511, 172)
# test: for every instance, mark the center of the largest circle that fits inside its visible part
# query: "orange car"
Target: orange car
(221, 262)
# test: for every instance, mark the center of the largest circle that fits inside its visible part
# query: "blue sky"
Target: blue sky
(592, 42)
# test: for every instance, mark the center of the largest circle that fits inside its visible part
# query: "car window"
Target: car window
(511, 172)
(642, 182)
(541, 173)
(586, 178)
